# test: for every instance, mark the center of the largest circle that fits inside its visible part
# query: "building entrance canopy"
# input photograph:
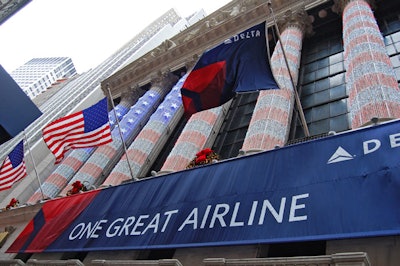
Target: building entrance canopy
(341, 186)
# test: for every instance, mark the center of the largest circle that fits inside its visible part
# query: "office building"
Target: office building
(39, 74)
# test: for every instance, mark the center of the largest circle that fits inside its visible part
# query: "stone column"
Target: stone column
(270, 123)
(371, 81)
(74, 160)
(199, 132)
(101, 162)
(146, 147)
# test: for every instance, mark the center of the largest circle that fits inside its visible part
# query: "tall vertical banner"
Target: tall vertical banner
(239, 64)
(17, 111)
(342, 186)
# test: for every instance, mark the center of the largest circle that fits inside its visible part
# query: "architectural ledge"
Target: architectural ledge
(162, 262)
(349, 259)
(19, 214)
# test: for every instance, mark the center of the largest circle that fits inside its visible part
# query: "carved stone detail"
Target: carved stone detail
(298, 18)
(163, 47)
(163, 80)
(131, 95)
(189, 64)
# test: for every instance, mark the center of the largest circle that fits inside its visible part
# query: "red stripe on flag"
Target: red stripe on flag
(10, 174)
(68, 132)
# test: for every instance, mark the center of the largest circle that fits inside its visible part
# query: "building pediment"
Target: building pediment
(183, 49)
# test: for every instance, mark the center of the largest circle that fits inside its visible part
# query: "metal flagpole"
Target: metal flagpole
(120, 134)
(34, 165)
(296, 95)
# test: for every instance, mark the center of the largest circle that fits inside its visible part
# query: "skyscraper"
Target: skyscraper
(38, 74)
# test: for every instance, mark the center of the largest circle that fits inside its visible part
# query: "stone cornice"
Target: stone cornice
(297, 18)
(183, 49)
(18, 215)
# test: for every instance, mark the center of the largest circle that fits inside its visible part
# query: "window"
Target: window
(322, 86)
(233, 131)
(389, 23)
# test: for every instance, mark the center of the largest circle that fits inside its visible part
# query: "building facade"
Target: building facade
(337, 65)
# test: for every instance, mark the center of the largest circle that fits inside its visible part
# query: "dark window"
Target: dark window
(74, 255)
(388, 19)
(156, 254)
(23, 256)
(312, 248)
(233, 131)
(322, 86)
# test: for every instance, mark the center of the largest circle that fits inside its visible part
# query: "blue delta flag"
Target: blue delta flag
(17, 111)
(239, 64)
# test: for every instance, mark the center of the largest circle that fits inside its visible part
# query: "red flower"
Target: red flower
(205, 156)
(205, 152)
(13, 203)
(201, 158)
(77, 184)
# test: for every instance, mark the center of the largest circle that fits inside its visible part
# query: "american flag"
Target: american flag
(83, 129)
(13, 168)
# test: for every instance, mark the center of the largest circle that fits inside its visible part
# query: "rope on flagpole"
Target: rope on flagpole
(34, 165)
(296, 95)
(120, 134)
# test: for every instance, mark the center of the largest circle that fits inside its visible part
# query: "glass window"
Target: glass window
(233, 131)
(338, 92)
(391, 27)
(322, 83)
(336, 68)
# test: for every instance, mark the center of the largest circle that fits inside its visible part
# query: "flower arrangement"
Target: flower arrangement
(205, 156)
(77, 187)
(13, 203)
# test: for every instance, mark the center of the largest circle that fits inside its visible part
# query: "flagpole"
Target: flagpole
(296, 95)
(34, 166)
(120, 134)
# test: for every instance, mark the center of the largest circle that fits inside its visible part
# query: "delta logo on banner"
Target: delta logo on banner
(304, 192)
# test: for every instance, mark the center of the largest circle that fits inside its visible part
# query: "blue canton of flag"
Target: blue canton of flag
(239, 64)
(13, 168)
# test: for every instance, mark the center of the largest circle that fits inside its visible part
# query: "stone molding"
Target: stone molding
(295, 18)
(350, 258)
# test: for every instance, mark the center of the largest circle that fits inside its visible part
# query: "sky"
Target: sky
(87, 31)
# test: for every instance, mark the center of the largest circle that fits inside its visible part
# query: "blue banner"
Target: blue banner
(17, 111)
(342, 186)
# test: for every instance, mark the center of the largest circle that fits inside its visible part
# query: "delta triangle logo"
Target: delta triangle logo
(340, 155)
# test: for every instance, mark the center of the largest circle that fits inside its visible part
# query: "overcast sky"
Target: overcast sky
(88, 31)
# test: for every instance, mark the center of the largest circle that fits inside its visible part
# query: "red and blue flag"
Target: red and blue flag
(239, 64)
